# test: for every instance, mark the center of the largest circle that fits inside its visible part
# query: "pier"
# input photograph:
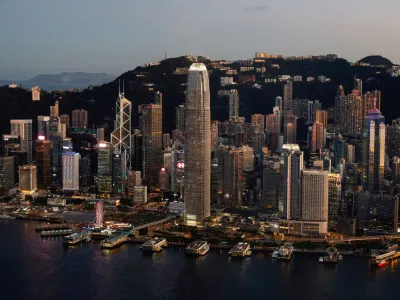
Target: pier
(52, 227)
(240, 250)
(154, 245)
(115, 241)
(198, 248)
(77, 237)
(55, 233)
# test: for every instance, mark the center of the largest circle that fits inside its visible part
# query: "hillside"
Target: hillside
(376, 60)
(141, 82)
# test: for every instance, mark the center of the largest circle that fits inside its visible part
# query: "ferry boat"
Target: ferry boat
(383, 259)
(240, 250)
(332, 256)
(77, 238)
(285, 252)
(122, 226)
(7, 217)
(154, 245)
(114, 241)
(200, 248)
(275, 254)
(382, 263)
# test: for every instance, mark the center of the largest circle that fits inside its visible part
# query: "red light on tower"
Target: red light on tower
(162, 169)
(180, 165)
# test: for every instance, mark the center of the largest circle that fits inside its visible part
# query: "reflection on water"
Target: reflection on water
(52, 271)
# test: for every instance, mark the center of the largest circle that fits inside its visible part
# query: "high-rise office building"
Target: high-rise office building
(321, 116)
(43, 162)
(100, 135)
(9, 143)
(118, 173)
(271, 186)
(104, 168)
(197, 146)
(151, 129)
(292, 164)
(288, 96)
(121, 137)
(35, 93)
(137, 152)
(393, 138)
(373, 151)
(258, 120)
(64, 119)
(279, 102)
(180, 117)
(314, 196)
(300, 108)
(27, 179)
(340, 106)
(358, 86)
(23, 128)
(79, 118)
(158, 98)
(233, 97)
(334, 198)
(353, 110)
(54, 110)
(166, 140)
(85, 178)
(6, 174)
(70, 171)
(317, 139)
(272, 123)
(289, 127)
(214, 135)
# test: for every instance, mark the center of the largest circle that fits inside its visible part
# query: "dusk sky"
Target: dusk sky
(112, 36)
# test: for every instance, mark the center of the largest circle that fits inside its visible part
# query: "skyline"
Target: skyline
(100, 36)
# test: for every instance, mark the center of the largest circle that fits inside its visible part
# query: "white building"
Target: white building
(70, 171)
(140, 194)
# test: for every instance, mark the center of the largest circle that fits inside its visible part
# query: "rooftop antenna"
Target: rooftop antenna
(123, 86)
(119, 86)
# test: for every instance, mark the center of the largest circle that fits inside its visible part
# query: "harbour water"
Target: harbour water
(35, 268)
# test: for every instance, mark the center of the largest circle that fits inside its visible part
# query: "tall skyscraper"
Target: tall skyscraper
(314, 196)
(54, 110)
(79, 118)
(104, 167)
(340, 106)
(289, 127)
(279, 102)
(258, 119)
(43, 162)
(151, 128)
(64, 119)
(271, 186)
(358, 86)
(23, 128)
(317, 139)
(70, 171)
(197, 189)
(334, 198)
(121, 136)
(292, 164)
(180, 117)
(373, 151)
(288, 96)
(100, 135)
(272, 123)
(321, 116)
(35, 93)
(158, 98)
(44, 126)
(6, 174)
(118, 174)
(27, 179)
(233, 97)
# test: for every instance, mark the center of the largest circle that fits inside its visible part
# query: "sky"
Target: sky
(113, 36)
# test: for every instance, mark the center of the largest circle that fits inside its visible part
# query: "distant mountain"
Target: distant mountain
(376, 60)
(68, 80)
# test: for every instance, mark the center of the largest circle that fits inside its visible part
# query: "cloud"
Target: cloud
(255, 8)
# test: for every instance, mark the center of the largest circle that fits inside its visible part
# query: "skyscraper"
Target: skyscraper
(79, 118)
(279, 102)
(340, 106)
(44, 126)
(321, 116)
(64, 119)
(358, 86)
(151, 128)
(6, 174)
(180, 117)
(70, 171)
(334, 198)
(35, 93)
(23, 128)
(121, 136)
(54, 110)
(272, 123)
(373, 151)
(317, 140)
(290, 127)
(233, 97)
(197, 146)
(43, 162)
(314, 196)
(292, 164)
(104, 168)
(258, 119)
(100, 135)
(288, 96)
(27, 179)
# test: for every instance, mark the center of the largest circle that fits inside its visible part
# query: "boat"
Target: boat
(275, 254)
(7, 217)
(240, 250)
(331, 257)
(200, 248)
(285, 252)
(77, 238)
(382, 263)
(114, 241)
(122, 226)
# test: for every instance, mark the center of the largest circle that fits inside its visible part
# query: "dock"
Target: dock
(381, 260)
(52, 227)
(240, 250)
(77, 238)
(55, 233)
(115, 241)
(198, 248)
(154, 245)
